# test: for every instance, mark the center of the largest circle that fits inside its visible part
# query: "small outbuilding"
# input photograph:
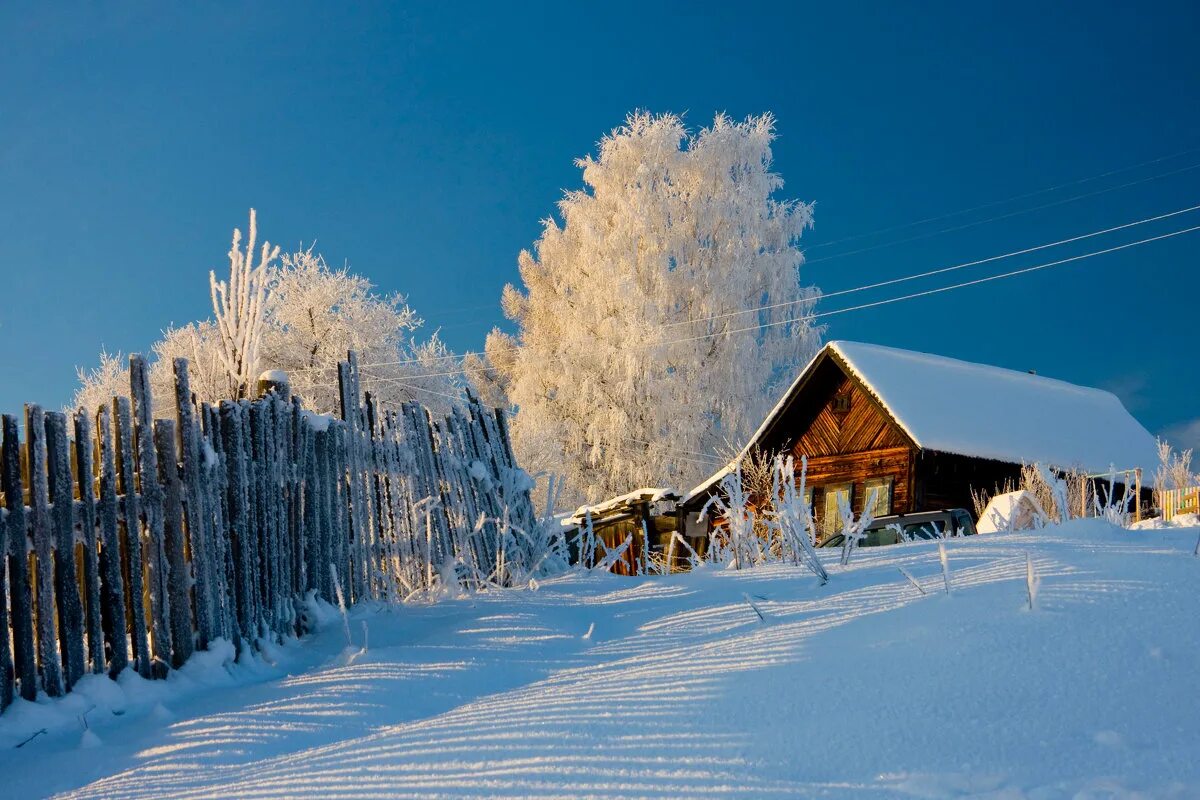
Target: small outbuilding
(919, 432)
(649, 519)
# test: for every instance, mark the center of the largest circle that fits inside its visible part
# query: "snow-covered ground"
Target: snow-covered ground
(597, 685)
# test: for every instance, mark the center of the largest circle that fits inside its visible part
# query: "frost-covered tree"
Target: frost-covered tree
(239, 307)
(311, 316)
(316, 314)
(639, 346)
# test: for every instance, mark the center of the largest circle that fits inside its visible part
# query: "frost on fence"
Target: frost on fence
(237, 515)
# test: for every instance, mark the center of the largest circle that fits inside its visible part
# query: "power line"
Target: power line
(999, 217)
(940, 271)
(873, 304)
(1014, 198)
(902, 226)
(839, 293)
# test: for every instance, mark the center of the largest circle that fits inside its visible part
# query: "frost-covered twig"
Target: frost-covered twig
(238, 306)
(945, 565)
(911, 579)
(1031, 582)
(793, 515)
(854, 530)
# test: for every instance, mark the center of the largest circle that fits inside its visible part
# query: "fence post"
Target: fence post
(6, 661)
(235, 466)
(112, 600)
(198, 520)
(152, 509)
(85, 477)
(178, 576)
(18, 560)
(43, 542)
(66, 578)
(134, 564)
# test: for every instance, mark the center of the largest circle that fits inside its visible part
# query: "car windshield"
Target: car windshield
(931, 529)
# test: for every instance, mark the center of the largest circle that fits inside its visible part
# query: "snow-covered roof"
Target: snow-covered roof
(953, 406)
(649, 494)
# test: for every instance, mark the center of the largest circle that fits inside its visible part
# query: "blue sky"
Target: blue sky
(423, 143)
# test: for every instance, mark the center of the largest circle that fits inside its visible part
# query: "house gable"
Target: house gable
(831, 414)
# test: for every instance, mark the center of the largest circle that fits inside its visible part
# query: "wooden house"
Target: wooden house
(919, 432)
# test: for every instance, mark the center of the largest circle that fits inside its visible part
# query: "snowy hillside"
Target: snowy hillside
(596, 685)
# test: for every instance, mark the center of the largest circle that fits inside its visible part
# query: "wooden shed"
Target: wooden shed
(649, 518)
(921, 431)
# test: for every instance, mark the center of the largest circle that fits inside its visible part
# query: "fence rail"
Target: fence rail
(132, 541)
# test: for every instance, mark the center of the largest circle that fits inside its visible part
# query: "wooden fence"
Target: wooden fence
(221, 522)
(1174, 502)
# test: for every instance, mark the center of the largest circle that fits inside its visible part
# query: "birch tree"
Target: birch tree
(639, 350)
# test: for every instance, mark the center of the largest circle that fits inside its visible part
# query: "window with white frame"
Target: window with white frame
(882, 487)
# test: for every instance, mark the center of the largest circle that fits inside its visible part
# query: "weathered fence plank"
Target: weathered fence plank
(178, 578)
(199, 534)
(112, 600)
(7, 674)
(66, 579)
(134, 562)
(20, 590)
(43, 545)
(152, 510)
(85, 478)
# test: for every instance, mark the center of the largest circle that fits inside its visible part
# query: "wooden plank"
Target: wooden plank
(24, 648)
(43, 542)
(152, 511)
(112, 597)
(215, 487)
(196, 510)
(311, 511)
(179, 579)
(7, 674)
(232, 438)
(133, 565)
(253, 534)
(85, 478)
(66, 579)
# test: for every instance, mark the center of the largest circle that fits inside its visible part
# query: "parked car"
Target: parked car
(920, 525)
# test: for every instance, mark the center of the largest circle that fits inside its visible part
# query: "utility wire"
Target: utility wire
(940, 271)
(1008, 215)
(839, 293)
(873, 304)
(1014, 198)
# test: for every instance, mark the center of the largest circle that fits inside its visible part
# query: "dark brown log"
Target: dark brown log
(17, 553)
(85, 478)
(179, 579)
(112, 599)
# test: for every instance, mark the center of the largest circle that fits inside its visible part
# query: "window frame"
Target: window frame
(887, 482)
(831, 523)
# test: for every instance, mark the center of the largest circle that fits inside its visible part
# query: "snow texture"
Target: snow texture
(602, 686)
